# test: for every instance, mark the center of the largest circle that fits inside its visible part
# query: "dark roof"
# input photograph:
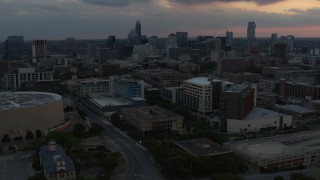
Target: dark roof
(49, 159)
(202, 147)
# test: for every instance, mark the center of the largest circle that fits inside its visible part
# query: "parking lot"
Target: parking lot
(15, 166)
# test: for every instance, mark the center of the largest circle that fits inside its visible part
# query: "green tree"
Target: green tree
(65, 139)
(78, 130)
(278, 178)
(226, 177)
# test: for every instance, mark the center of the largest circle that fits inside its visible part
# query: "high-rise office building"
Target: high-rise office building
(289, 42)
(229, 38)
(274, 38)
(182, 38)
(111, 42)
(138, 31)
(71, 46)
(133, 38)
(13, 48)
(251, 34)
(39, 49)
(153, 41)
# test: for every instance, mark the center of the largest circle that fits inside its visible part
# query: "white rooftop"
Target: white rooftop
(259, 113)
(199, 81)
(278, 146)
(15, 100)
(103, 100)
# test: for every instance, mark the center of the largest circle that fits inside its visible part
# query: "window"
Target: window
(248, 125)
(275, 122)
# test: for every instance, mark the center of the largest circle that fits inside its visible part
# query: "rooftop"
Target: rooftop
(201, 147)
(199, 81)
(150, 113)
(237, 88)
(278, 146)
(295, 108)
(103, 100)
(15, 100)
(50, 157)
(258, 113)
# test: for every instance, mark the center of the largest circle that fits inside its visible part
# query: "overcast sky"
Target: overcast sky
(88, 19)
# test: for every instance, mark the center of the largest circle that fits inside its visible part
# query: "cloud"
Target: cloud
(193, 2)
(113, 3)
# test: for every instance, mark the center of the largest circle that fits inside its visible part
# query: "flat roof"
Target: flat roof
(237, 88)
(258, 113)
(199, 81)
(202, 147)
(295, 108)
(15, 100)
(150, 113)
(278, 146)
(104, 100)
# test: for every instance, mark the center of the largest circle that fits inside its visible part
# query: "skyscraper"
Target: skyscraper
(39, 49)
(133, 37)
(138, 31)
(182, 38)
(13, 48)
(289, 42)
(111, 42)
(251, 34)
(229, 38)
(71, 46)
(274, 38)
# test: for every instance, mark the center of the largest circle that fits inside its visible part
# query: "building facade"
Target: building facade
(14, 81)
(125, 86)
(153, 119)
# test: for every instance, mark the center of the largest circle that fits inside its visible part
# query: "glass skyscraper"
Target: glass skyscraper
(251, 34)
(138, 30)
(13, 48)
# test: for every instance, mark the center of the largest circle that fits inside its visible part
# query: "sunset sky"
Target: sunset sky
(86, 19)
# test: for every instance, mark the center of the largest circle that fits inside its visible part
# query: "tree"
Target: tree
(78, 130)
(65, 139)
(278, 178)
(226, 177)
(300, 176)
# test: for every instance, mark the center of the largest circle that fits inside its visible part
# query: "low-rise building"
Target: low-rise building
(153, 119)
(279, 152)
(56, 164)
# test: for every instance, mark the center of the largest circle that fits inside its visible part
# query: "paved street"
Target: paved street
(15, 166)
(140, 165)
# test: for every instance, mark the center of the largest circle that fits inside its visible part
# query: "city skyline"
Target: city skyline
(95, 19)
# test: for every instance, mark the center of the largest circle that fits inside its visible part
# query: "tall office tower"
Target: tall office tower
(111, 42)
(182, 38)
(39, 50)
(274, 38)
(283, 39)
(133, 38)
(289, 42)
(280, 51)
(138, 31)
(217, 44)
(251, 34)
(171, 44)
(13, 48)
(153, 41)
(229, 38)
(71, 46)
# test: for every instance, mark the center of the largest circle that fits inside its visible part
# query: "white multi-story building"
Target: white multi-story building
(200, 93)
(14, 81)
(84, 87)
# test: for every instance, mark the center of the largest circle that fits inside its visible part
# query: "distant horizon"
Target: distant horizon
(94, 39)
(96, 19)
